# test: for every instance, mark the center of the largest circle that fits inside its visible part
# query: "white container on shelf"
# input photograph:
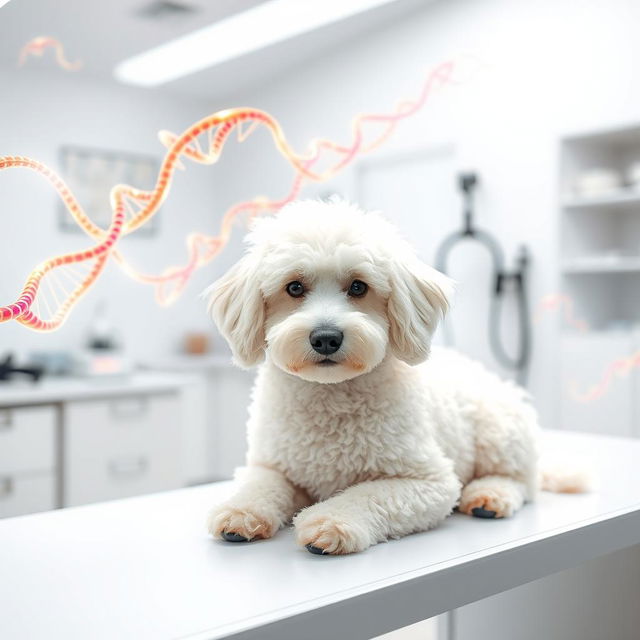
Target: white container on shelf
(633, 175)
(596, 182)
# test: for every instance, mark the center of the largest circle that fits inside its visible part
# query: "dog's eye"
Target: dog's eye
(358, 288)
(295, 289)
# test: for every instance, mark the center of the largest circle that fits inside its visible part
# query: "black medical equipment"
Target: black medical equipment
(8, 369)
(501, 278)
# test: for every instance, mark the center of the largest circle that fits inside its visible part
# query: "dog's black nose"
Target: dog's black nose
(325, 340)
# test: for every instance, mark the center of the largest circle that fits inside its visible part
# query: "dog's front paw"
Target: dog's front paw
(489, 501)
(240, 524)
(329, 534)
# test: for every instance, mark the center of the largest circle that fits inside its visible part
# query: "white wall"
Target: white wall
(552, 66)
(42, 112)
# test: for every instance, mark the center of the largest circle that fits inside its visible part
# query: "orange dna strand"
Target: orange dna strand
(61, 281)
(616, 369)
(557, 301)
(37, 46)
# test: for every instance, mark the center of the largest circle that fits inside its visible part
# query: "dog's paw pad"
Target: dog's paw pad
(235, 524)
(330, 535)
(481, 512)
(231, 536)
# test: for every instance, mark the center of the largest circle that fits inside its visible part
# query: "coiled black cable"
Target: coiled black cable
(520, 362)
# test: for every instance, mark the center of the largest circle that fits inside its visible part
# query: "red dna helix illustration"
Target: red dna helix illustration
(559, 302)
(57, 284)
(37, 46)
(616, 369)
(54, 286)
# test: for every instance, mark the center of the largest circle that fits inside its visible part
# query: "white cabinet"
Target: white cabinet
(72, 441)
(229, 398)
(27, 439)
(27, 460)
(215, 414)
(27, 493)
(121, 447)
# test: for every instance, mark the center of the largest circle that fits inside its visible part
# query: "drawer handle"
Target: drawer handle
(129, 408)
(128, 467)
(6, 421)
(6, 487)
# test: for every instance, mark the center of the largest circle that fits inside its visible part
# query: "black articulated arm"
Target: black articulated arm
(519, 363)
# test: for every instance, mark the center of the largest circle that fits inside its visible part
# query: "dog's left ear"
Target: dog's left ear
(419, 297)
(237, 307)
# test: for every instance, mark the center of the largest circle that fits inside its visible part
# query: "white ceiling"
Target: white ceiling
(105, 32)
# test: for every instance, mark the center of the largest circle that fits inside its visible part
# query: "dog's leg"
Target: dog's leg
(505, 467)
(264, 501)
(493, 497)
(375, 511)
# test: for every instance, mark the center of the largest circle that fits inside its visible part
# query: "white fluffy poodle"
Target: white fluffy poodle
(357, 431)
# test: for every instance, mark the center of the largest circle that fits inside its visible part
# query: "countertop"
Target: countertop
(54, 389)
(192, 363)
(144, 568)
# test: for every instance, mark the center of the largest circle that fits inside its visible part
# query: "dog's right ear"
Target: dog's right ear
(237, 307)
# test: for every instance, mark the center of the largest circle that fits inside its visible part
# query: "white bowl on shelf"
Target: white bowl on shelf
(632, 175)
(596, 182)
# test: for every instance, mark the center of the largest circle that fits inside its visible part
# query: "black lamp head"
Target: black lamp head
(467, 181)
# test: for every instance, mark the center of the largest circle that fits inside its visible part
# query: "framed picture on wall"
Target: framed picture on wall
(91, 173)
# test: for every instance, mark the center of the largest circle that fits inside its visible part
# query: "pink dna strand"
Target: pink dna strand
(563, 303)
(37, 47)
(616, 369)
(54, 286)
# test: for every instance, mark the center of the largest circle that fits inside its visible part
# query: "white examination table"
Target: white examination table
(144, 568)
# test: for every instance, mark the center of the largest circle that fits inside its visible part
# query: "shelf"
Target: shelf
(601, 333)
(601, 264)
(616, 200)
(615, 136)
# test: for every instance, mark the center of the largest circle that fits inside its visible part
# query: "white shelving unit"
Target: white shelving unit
(600, 273)
(602, 264)
(622, 200)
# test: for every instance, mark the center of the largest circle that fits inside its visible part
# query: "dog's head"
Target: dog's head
(327, 291)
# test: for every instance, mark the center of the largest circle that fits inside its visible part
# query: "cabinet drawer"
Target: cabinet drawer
(22, 494)
(27, 439)
(122, 447)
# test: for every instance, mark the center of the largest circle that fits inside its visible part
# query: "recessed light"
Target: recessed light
(242, 33)
(166, 10)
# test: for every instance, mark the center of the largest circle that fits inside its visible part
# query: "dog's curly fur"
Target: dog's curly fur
(367, 447)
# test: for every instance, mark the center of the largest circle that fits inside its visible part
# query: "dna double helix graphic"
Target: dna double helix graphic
(57, 284)
(37, 47)
(54, 286)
